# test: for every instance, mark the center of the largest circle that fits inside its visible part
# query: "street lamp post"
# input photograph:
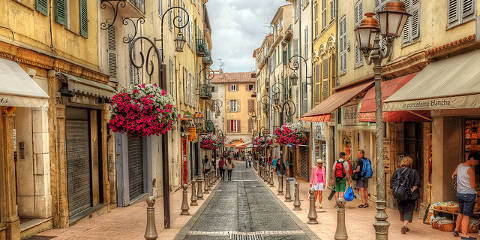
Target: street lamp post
(148, 64)
(392, 21)
(295, 66)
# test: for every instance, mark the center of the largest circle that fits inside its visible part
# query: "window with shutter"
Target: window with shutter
(453, 7)
(324, 14)
(250, 125)
(343, 45)
(112, 53)
(325, 69)
(42, 6)
(61, 11)
(251, 105)
(238, 127)
(315, 10)
(411, 30)
(357, 19)
(467, 8)
(170, 15)
(83, 18)
(460, 11)
(325, 90)
(333, 10)
(317, 83)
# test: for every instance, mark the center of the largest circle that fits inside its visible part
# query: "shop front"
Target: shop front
(450, 90)
(24, 190)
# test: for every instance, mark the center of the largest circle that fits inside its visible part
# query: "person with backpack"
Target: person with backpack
(466, 194)
(405, 186)
(364, 172)
(340, 175)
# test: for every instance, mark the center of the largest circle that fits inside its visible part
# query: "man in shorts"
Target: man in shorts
(341, 176)
(362, 183)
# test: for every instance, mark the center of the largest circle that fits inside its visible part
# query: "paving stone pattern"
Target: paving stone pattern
(244, 209)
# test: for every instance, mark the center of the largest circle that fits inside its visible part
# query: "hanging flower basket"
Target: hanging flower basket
(143, 110)
(263, 142)
(209, 141)
(291, 133)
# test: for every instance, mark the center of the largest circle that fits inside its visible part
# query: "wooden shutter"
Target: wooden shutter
(112, 52)
(251, 105)
(467, 8)
(83, 18)
(239, 129)
(228, 106)
(325, 69)
(238, 105)
(415, 19)
(61, 11)
(250, 125)
(136, 168)
(453, 6)
(42, 6)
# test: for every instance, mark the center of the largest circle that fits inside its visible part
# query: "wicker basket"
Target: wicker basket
(446, 225)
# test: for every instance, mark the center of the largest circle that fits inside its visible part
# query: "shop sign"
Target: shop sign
(350, 115)
(3, 101)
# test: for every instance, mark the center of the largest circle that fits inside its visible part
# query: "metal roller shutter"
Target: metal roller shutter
(135, 168)
(78, 166)
(304, 166)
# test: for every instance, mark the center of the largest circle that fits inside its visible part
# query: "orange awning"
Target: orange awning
(368, 107)
(321, 112)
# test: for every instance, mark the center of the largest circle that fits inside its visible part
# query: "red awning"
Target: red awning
(321, 112)
(367, 110)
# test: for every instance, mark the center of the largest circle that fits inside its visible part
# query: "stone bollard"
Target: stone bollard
(296, 202)
(312, 213)
(199, 189)
(272, 183)
(205, 187)
(341, 232)
(288, 196)
(185, 201)
(193, 199)
(280, 184)
(151, 230)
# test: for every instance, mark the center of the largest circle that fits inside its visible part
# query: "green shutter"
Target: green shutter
(83, 18)
(42, 6)
(285, 60)
(61, 11)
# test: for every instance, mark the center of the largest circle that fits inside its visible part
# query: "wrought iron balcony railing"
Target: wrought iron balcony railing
(202, 47)
(206, 91)
(207, 59)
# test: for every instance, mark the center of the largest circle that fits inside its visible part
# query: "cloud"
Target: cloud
(239, 27)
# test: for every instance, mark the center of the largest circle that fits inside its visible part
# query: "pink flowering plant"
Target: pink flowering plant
(209, 141)
(291, 133)
(263, 142)
(143, 110)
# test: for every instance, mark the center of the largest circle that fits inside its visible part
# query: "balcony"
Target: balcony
(209, 126)
(207, 59)
(132, 8)
(202, 47)
(206, 91)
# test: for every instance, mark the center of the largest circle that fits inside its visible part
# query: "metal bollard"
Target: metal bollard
(341, 232)
(272, 183)
(185, 201)
(288, 196)
(199, 189)
(280, 184)
(312, 213)
(205, 187)
(193, 199)
(296, 202)
(151, 230)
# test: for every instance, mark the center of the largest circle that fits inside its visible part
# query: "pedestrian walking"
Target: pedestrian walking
(405, 185)
(341, 175)
(221, 166)
(317, 181)
(274, 163)
(364, 172)
(246, 160)
(281, 167)
(206, 164)
(230, 166)
(466, 193)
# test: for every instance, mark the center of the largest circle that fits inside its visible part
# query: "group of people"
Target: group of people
(405, 185)
(226, 163)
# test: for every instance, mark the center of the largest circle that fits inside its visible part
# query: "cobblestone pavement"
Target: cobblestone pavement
(244, 209)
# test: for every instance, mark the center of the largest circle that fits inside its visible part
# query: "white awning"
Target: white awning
(18, 89)
(453, 83)
(91, 88)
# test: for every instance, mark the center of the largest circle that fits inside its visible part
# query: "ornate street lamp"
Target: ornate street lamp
(392, 21)
(294, 64)
(179, 42)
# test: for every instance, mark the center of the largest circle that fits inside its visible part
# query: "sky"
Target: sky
(239, 27)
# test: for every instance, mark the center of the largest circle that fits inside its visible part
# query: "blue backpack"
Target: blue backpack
(367, 171)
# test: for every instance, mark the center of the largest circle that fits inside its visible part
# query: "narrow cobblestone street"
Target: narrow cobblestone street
(244, 209)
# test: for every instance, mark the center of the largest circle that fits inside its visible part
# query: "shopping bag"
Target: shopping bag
(349, 195)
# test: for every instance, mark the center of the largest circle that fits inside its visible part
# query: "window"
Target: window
(315, 10)
(233, 88)
(250, 125)
(333, 10)
(325, 69)
(234, 126)
(306, 42)
(251, 105)
(112, 52)
(160, 10)
(234, 106)
(343, 45)
(171, 70)
(251, 87)
(459, 11)
(42, 6)
(411, 31)
(317, 83)
(357, 19)
(324, 14)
